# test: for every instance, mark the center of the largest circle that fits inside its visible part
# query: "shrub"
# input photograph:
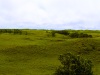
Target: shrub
(14, 31)
(64, 32)
(79, 35)
(17, 31)
(74, 65)
(74, 35)
(53, 34)
(90, 36)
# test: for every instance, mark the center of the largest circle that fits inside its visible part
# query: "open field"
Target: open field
(37, 52)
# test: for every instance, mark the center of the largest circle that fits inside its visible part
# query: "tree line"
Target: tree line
(71, 34)
(13, 31)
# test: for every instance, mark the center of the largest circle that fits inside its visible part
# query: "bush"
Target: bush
(14, 31)
(17, 31)
(53, 34)
(79, 35)
(74, 35)
(74, 65)
(64, 32)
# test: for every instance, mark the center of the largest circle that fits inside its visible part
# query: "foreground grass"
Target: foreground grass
(37, 53)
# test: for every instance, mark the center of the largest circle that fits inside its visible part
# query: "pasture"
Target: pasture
(37, 52)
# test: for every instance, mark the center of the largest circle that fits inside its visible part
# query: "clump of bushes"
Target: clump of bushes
(74, 65)
(5, 31)
(79, 35)
(53, 33)
(72, 35)
(17, 31)
(64, 32)
(13, 31)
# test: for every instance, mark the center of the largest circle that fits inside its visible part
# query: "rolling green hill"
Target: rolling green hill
(37, 52)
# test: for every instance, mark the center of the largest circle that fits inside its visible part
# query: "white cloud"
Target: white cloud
(51, 14)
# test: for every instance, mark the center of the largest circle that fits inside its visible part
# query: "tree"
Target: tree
(64, 32)
(74, 35)
(53, 34)
(74, 65)
(79, 35)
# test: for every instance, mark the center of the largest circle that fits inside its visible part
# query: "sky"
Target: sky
(50, 14)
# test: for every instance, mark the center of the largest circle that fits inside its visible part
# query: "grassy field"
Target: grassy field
(37, 52)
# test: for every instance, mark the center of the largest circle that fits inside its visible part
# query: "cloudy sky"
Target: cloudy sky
(50, 14)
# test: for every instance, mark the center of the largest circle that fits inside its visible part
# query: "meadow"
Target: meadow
(37, 52)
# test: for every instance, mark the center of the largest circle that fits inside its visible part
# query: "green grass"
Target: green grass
(37, 53)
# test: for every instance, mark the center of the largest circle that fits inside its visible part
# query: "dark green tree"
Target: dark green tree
(64, 32)
(74, 35)
(74, 65)
(53, 34)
